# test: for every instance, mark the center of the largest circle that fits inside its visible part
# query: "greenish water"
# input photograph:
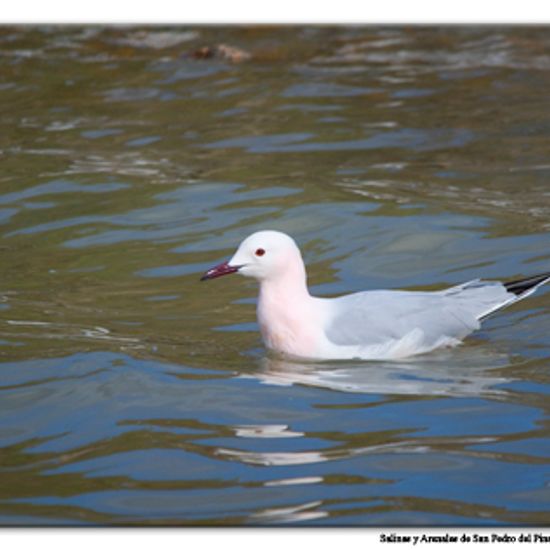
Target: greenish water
(131, 393)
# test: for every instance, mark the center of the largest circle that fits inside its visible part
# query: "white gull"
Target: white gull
(375, 324)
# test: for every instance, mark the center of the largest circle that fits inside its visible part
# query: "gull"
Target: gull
(368, 325)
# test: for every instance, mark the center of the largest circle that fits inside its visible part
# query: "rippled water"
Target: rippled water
(135, 158)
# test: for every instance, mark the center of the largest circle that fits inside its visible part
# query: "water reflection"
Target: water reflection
(456, 373)
(302, 512)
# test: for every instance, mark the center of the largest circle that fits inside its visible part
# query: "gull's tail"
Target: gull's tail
(520, 289)
(523, 287)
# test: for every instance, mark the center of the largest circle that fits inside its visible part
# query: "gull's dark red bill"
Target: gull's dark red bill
(219, 270)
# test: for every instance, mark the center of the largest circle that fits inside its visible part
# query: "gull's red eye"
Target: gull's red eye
(260, 252)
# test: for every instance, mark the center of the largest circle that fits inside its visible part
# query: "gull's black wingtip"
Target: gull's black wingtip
(524, 285)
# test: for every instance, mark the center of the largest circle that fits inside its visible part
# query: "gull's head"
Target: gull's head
(265, 255)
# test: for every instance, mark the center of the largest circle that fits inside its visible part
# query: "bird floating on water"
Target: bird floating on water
(371, 325)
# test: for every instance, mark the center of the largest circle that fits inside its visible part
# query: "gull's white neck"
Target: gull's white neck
(287, 312)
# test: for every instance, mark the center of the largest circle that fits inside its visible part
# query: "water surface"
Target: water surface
(135, 158)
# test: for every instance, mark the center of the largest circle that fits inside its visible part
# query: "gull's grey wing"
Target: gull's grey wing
(374, 317)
